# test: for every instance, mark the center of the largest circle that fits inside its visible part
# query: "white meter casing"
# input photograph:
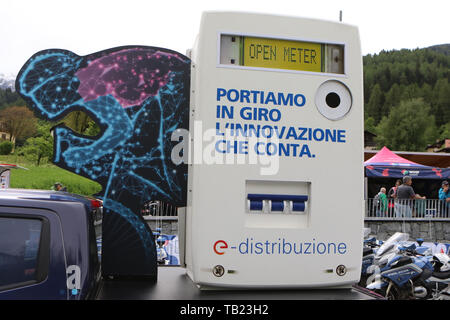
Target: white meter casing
(275, 183)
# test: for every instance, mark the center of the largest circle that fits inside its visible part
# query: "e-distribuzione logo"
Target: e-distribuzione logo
(281, 246)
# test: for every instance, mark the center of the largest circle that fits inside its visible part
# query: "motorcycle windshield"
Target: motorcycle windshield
(366, 232)
(392, 242)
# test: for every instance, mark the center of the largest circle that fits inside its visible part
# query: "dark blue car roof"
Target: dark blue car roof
(46, 195)
(75, 221)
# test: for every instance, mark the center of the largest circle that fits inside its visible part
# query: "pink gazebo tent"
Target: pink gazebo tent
(389, 165)
(387, 157)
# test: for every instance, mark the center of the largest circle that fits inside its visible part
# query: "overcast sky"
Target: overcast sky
(87, 26)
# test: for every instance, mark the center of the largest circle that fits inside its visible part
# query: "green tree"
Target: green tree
(39, 147)
(10, 98)
(442, 101)
(410, 92)
(408, 127)
(93, 129)
(444, 131)
(375, 105)
(81, 123)
(392, 96)
(408, 74)
(18, 121)
(427, 92)
(78, 121)
(369, 125)
(6, 147)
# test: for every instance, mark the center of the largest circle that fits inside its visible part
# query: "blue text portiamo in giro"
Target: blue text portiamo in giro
(258, 114)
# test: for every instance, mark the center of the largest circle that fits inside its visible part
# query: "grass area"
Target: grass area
(44, 176)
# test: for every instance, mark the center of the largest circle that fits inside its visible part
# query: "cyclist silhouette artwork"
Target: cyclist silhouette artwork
(138, 96)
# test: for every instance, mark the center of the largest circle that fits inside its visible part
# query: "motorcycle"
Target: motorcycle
(161, 253)
(412, 275)
(442, 295)
(404, 276)
(370, 248)
(439, 282)
(381, 258)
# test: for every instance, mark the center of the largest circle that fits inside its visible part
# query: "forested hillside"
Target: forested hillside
(10, 98)
(406, 99)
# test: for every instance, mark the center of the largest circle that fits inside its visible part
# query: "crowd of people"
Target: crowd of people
(399, 199)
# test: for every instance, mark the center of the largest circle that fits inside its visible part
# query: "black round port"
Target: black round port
(333, 100)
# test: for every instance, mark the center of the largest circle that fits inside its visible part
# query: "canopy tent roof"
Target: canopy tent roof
(433, 159)
(389, 165)
(386, 157)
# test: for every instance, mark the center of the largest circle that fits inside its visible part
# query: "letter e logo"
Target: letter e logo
(220, 245)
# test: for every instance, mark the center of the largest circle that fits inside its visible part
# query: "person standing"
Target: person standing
(393, 191)
(392, 194)
(382, 204)
(444, 196)
(405, 193)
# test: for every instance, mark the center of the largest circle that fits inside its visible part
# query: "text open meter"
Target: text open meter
(275, 186)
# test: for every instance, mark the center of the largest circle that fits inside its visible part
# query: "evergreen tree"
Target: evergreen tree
(408, 127)
(392, 78)
(442, 102)
(375, 104)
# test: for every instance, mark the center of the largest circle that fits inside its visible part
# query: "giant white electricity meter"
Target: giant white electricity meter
(275, 184)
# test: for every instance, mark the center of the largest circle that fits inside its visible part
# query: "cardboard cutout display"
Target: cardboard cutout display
(138, 96)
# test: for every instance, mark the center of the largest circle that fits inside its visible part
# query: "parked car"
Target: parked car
(48, 247)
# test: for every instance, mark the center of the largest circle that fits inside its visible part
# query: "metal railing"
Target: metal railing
(159, 209)
(393, 209)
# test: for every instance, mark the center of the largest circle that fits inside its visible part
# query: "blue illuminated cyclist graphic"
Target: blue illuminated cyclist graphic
(138, 96)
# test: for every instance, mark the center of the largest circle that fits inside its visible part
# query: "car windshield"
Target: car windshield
(392, 241)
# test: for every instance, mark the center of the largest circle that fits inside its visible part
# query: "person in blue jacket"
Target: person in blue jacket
(444, 196)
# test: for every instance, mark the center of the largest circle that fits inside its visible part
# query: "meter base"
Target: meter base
(174, 284)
